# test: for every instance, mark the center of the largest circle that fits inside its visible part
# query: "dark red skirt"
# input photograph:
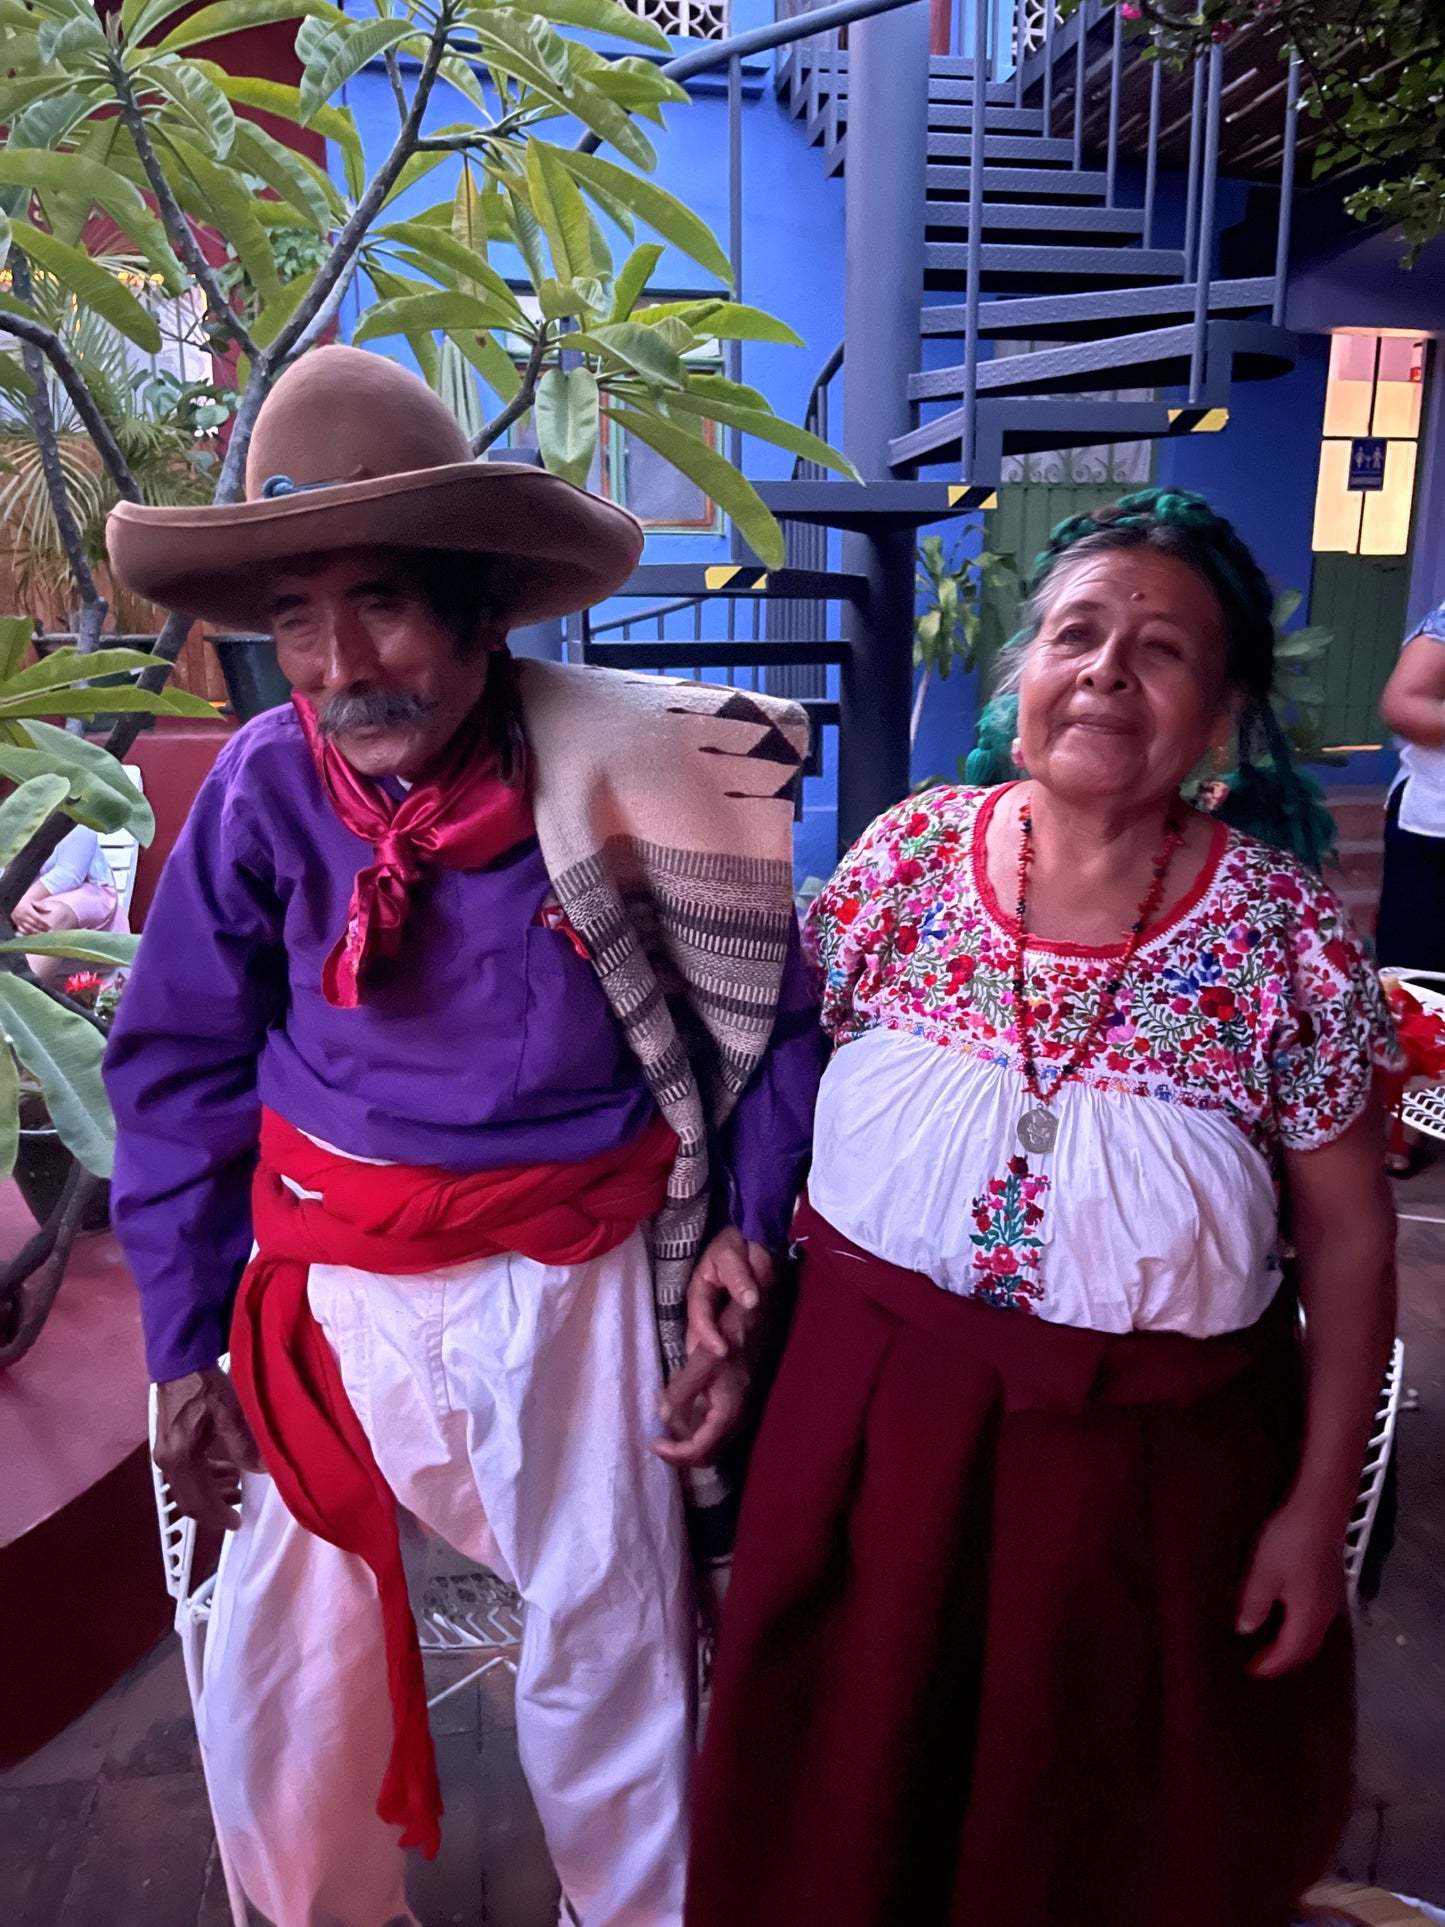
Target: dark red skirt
(978, 1662)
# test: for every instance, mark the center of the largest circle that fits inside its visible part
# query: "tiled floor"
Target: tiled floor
(108, 1826)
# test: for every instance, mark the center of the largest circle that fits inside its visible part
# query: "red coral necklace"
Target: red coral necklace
(1038, 1127)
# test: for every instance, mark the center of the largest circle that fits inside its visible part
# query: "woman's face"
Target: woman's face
(1123, 688)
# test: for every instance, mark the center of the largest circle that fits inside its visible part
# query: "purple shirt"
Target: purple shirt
(488, 1043)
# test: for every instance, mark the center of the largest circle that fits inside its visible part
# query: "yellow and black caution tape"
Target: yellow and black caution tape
(1197, 421)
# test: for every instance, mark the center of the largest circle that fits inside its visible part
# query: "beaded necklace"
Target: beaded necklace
(1038, 1127)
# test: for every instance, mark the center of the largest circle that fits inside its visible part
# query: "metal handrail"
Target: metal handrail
(1286, 190)
(650, 614)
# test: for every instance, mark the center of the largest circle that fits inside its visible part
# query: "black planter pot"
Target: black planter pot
(253, 677)
(42, 1165)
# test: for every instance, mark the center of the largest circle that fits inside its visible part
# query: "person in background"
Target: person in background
(1410, 933)
(1411, 930)
(76, 892)
(1038, 1608)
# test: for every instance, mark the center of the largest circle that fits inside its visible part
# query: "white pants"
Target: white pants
(509, 1406)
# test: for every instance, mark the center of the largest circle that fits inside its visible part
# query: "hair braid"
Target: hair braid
(1269, 796)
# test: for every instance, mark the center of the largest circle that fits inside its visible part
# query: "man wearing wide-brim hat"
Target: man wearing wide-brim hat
(471, 995)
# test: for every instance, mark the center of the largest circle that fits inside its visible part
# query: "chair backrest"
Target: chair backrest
(122, 852)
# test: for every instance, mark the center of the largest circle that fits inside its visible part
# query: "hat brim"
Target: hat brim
(568, 548)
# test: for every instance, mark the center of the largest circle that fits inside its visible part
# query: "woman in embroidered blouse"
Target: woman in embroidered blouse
(1037, 1615)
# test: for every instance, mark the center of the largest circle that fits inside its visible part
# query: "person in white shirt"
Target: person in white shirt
(1411, 929)
(75, 892)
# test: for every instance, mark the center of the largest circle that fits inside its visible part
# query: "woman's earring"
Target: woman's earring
(1016, 753)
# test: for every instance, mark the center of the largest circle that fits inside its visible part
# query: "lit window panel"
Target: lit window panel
(1350, 390)
(1386, 526)
(1337, 506)
(1399, 388)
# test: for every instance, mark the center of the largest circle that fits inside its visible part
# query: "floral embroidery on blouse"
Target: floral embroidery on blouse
(1257, 997)
(1006, 1217)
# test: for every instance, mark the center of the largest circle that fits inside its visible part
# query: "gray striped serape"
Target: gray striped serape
(665, 816)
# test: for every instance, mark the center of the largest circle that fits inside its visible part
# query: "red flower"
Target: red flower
(906, 942)
(1215, 1000)
(917, 823)
(83, 983)
(848, 909)
(960, 972)
(909, 871)
(1019, 1167)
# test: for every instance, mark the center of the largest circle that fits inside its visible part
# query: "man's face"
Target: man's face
(389, 682)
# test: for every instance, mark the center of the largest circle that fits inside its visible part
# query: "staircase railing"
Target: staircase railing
(1072, 71)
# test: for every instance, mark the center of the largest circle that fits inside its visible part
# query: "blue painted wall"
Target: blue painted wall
(1260, 470)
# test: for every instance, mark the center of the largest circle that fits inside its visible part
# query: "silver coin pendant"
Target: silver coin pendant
(1038, 1130)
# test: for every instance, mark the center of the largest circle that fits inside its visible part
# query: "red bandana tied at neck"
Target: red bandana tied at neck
(462, 816)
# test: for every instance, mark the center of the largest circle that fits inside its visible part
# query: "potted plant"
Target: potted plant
(43, 1163)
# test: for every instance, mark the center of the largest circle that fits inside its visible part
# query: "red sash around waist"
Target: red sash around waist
(397, 1220)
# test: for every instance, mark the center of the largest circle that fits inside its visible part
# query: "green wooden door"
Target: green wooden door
(1363, 599)
(1029, 512)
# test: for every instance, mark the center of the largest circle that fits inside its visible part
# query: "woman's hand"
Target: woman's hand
(54, 914)
(1298, 1567)
(28, 915)
(735, 1274)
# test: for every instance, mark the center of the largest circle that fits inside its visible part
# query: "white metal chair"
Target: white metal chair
(471, 1612)
(122, 852)
(1377, 1465)
(1423, 1108)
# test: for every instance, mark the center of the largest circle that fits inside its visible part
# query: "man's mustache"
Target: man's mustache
(372, 709)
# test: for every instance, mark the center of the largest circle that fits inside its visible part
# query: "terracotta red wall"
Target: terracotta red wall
(174, 759)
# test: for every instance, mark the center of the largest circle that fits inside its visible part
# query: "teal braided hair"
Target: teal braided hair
(1269, 796)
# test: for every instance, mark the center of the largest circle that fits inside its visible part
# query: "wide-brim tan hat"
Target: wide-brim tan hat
(351, 451)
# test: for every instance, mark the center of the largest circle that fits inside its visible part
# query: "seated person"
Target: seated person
(76, 891)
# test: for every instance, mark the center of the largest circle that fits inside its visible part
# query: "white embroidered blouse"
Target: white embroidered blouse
(1250, 1023)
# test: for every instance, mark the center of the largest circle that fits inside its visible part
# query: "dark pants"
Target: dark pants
(978, 1664)
(1411, 931)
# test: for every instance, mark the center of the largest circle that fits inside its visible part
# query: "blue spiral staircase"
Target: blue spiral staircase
(1070, 250)
(1060, 263)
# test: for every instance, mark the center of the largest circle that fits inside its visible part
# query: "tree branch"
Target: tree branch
(177, 226)
(520, 402)
(232, 480)
(369, 206)
(42, 1262)
(73, 382)
(393, 74)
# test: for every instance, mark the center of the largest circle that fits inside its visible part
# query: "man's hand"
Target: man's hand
(203, 1445)
(1299, 1567)
(736, 1274)
(701, 1407)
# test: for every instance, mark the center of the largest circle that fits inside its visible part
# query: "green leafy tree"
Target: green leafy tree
(1373, 74)
(963, 621)
(123, 145)
(48, 1037)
